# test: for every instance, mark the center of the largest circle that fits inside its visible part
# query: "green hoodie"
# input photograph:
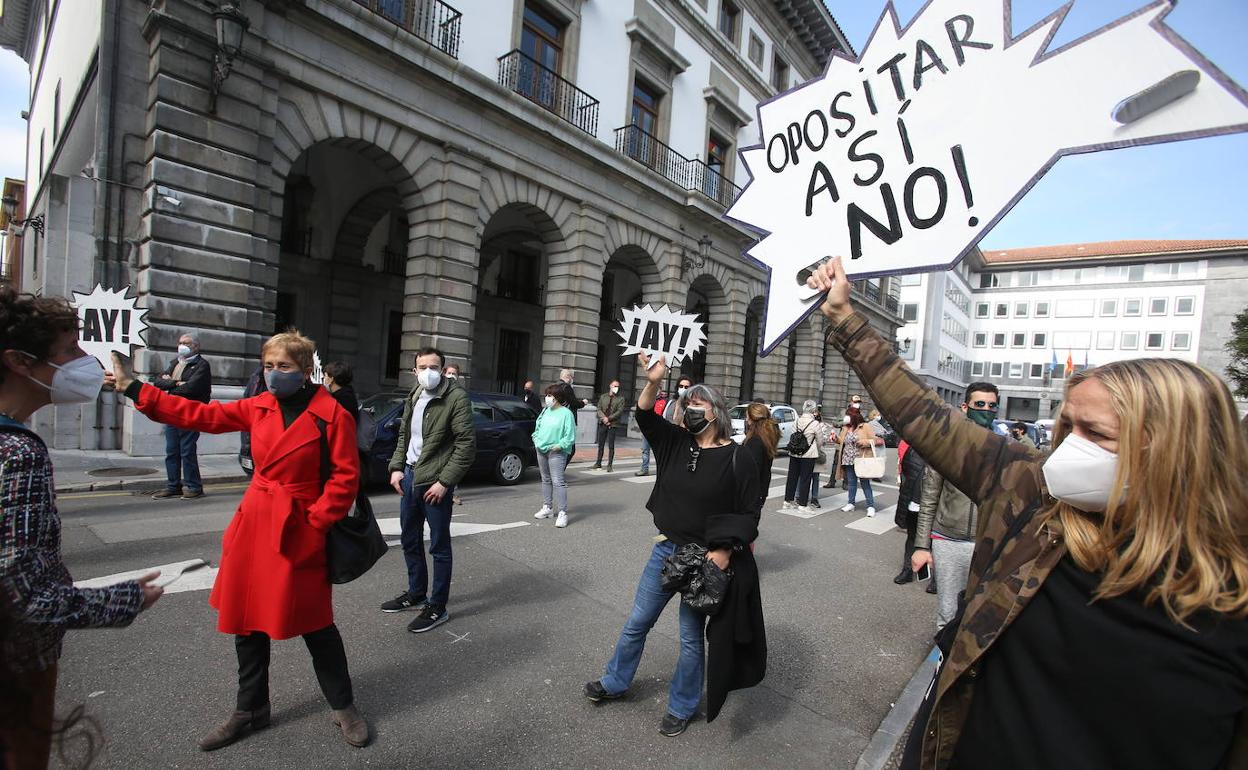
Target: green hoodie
(450, 437)
(555, 427)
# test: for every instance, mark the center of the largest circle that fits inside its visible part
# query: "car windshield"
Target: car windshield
(382, 403)
(737, 412)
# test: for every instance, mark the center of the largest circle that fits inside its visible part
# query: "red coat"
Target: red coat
(273, 575)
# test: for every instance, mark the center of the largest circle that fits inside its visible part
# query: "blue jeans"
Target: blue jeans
(182, 459)
(413, 513)
(554, 487)
(686, 690)
(854, 481)
(645, 455)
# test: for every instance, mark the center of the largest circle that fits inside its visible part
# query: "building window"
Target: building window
(1042, 310)
(998, 340)
(997, 369)
(1039, 339)
(1131, 307)
(729, 19)
(994, 280)
(541, 39)
(718, 152)
(1021, 309)
(1157, 306)
(1185, 306)
(56, 113)
(981, 339)
(1003, 310)
(910, 312)
(1130, 340)
(41, 134)
(1109, 307)
(981, 309)
(1154, 341)
(394, 344)
(1016, 371)
(1135, 273)
(1019, 340)
(977, 369)
(1181, 341)
(646, 101)
(1076, 308)
(779, 73)
(1104, 340)
(756, 50)
(1027, 278)
(1037, 371)
(912, 279)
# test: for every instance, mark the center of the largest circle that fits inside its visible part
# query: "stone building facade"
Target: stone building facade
(388, 174)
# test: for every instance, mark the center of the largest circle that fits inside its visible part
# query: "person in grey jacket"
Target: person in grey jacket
(435, 449)
(797, 485)
(189, 376)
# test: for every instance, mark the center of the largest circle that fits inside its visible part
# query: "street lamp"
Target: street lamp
(9, 205)
(688, 262)
(902, 346)
(232, 24)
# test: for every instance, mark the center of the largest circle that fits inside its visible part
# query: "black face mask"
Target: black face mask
(695, 420)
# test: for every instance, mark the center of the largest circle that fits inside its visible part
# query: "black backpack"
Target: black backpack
(798, 444)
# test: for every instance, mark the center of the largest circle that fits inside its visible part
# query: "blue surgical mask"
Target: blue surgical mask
(283, 384)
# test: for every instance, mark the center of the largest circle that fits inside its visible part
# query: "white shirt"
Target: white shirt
(417, 442)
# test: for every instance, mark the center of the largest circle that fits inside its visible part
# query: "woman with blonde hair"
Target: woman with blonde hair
(762, 441)
(273, 581)
(1104, 623)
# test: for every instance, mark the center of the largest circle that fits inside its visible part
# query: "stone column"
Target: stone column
(573, 298)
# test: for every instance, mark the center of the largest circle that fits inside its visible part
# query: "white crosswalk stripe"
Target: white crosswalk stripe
(880, 524)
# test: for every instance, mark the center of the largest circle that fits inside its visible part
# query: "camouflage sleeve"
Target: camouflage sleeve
(966, 455)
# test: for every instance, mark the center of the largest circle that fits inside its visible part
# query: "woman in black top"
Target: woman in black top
(338, 378)
(705, 493)
(762, 441)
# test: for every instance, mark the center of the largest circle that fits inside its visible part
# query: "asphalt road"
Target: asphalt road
(535, 613)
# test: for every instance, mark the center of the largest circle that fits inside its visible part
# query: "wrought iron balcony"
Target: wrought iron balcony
(695, 175)
(526, 76)
(433, 21)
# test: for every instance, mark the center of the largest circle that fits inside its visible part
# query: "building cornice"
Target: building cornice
(638, 31)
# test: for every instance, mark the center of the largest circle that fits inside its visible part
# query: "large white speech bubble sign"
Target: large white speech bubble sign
(109, 321)
(661, 331)
(902, 160)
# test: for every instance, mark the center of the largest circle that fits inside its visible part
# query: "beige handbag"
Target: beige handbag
(869, 467)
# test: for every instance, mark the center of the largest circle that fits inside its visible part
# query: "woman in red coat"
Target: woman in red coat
(273, 581)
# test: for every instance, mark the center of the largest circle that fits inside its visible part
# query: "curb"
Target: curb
(890, 732)
(143, 484)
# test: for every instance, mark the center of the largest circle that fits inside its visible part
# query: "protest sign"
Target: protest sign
(661, 331)
(901, 160)
(109, 321)
(318, 372)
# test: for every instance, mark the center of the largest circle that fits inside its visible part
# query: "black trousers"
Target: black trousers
(798, 481)
(329, 660)
(606, 438)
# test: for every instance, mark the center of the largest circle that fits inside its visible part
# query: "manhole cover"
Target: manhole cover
(123, 470)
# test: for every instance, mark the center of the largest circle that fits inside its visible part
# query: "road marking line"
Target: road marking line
(881, 523)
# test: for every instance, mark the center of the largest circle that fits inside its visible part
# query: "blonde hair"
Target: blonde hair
(759, 422)
(1178, 510)
(293, 344)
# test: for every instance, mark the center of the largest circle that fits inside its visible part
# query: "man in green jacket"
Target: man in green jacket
(436, 447)
(610, 410)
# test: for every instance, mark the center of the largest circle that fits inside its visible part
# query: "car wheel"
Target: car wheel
(509, 468)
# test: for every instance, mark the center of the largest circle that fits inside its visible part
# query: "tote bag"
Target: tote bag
(870, 467)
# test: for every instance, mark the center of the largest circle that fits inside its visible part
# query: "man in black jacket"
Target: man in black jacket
(188, 376)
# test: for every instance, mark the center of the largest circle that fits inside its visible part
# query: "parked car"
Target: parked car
(504, 429)
(785, 416)
(1003, 427)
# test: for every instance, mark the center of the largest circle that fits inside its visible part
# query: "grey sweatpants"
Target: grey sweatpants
(952, 564)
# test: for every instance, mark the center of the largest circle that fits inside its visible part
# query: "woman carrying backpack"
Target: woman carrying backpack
(803, 449)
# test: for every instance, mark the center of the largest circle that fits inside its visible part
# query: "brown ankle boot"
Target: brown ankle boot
(239, 725)
(354, 728)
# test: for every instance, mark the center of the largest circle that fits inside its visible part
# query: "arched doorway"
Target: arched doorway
(508, 327)
(343, 257)
(706, 299)
(630, 278)
(749, 350)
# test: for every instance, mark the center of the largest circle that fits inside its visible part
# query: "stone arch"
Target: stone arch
(548, 210)
(708, 298)
(630, 277)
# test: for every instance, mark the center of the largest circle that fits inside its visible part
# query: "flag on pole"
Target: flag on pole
(1053, 363)
(1085, 359)
(1070, 364)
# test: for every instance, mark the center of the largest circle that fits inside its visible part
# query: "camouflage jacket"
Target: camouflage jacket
(1003, 477)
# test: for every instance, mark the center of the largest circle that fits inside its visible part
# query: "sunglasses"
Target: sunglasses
(694, 452)
(991, 406)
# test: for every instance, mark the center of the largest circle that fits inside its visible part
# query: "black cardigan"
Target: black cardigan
(736, 639)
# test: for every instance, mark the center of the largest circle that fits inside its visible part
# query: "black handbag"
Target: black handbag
(912, 757)
(355, 543)
(702, 585)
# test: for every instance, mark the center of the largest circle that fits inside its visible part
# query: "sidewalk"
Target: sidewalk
(80, 470)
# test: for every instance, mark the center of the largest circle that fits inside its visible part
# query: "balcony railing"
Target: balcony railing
(540, 84)
(695, 175)
(433, 21)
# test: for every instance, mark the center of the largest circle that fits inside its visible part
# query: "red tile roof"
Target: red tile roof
(1117, 249)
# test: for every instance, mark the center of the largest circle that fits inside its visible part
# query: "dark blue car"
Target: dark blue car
(504, 436)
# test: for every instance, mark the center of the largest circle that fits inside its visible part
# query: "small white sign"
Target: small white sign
(901, 160)
(661, 331)
(109, 321)
(318, 373)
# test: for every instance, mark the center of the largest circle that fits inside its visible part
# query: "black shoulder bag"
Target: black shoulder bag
(912, 758)
(355, 543)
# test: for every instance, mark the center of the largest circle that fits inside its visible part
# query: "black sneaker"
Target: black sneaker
(165, 494)
(597, 693)
(430, 617)
(402, 602)
(672, 726)
(814, 503)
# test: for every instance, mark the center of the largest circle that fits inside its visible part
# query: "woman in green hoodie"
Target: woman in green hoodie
(554, 436)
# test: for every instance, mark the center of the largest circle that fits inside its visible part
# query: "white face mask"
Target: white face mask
(429, 379)
(1081, 473)
(452, 376)
(682, 392)
(77, 382)
(615, 389)
(184, 351)
(550, 402)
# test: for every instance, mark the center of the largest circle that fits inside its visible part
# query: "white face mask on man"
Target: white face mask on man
(429, 379)
(1081, 473)
(76, 382)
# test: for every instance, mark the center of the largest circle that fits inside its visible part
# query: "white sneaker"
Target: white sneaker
(545, 513)
(847, 507)
(786, 505)
(562, 520)
(870, 510)
(804, 509)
